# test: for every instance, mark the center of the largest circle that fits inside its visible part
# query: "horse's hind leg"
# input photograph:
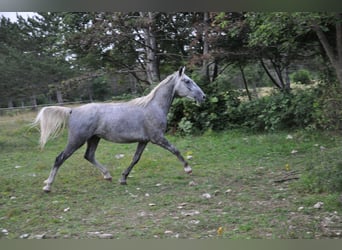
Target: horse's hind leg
(69, 150)
(140, 149)
(90, 156)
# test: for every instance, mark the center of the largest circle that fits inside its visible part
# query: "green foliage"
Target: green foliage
(189, 118)
(301, 76)
(328, 107)
(279, 111)
(101, 88)
(224, 110)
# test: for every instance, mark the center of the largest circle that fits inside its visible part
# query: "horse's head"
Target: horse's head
(186, 87)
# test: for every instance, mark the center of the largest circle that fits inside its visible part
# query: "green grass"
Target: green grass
(236, 168)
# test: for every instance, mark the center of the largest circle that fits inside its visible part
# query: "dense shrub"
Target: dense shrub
(328, 107)
(186, 117)
(301, 76)
(224, 111)
(318, 107)
(278, 111)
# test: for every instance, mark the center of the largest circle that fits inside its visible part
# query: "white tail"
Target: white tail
(52, 121)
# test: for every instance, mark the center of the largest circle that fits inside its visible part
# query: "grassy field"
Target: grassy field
(243, 186)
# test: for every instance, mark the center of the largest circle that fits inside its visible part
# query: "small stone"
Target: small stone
(24, 236)
(294, 151)
(192, 183)
(206, 195)
(168, 232)
(94, 233)
(190, 213)
(106, 236)
(228, 191)
(189, 157)
(318, 205)
(119, 156)
(66, 209)
(152, 204)
(195, 222)
(4, 231)
(39, 236)
(300, 208)
(289, 137)
(216, 192)
(176, 236)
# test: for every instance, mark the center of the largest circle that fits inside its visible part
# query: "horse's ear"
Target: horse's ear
(181, 70)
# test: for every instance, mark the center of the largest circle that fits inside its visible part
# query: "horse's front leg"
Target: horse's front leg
(164, 143)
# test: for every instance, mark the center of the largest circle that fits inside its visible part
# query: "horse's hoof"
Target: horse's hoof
(188, 170)
(46, 189)
(123, 182)
(108, 179)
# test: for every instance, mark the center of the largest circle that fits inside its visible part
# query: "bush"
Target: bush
(317, 107)
(301, 76)
(328, 108)
(279, 111)
(188, 118)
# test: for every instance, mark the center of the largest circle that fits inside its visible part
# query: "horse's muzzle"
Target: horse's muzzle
(200, 98)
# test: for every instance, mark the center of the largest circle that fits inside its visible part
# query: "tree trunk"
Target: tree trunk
(152, 67)
(245, 82)
(205, 54)
(215, 71)
(335, 60)
(34, 102)
(287, 78)
(10, 103)
(59, 96)
(269, 74)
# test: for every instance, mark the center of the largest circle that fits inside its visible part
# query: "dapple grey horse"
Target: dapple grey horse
(140, 120)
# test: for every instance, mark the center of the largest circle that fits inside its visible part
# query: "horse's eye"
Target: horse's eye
(187, 81)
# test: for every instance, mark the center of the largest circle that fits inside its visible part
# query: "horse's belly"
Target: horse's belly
(122, 134)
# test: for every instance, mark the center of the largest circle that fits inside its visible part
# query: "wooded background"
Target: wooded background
(54, 57)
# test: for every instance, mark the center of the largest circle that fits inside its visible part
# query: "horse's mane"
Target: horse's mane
(144, 100)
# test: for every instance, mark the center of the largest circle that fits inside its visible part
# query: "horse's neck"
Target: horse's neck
(164, 97)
